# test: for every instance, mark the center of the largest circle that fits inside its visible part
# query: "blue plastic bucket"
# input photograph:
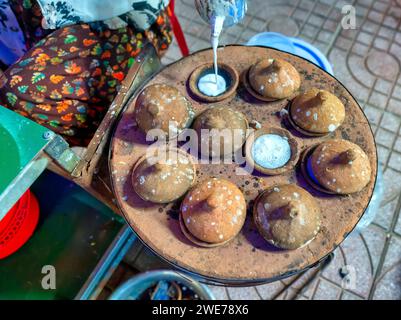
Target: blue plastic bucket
(134, 287)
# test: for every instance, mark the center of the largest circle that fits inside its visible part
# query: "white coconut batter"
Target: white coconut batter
(213, 85)
(208, 85)
(271, 151)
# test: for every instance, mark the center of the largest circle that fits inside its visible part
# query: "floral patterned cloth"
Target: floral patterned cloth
(67, 80)
(139, 14)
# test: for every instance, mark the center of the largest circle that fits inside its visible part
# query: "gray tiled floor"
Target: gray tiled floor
(367, 60)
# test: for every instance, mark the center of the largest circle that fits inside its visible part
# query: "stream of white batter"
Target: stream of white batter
(217, 28)
(214, 85)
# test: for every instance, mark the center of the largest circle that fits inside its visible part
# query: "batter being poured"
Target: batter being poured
(214, 84)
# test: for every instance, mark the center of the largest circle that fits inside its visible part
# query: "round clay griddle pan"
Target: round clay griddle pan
(248, 258)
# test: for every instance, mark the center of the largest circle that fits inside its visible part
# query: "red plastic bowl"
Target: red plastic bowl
(19, 224)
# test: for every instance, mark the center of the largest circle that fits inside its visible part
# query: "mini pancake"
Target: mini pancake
(213, 212)
(339, 166)
(273, 79)
(163, 107)
(287, 216)
(164, 179)
(316, 112)
(229, 124)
